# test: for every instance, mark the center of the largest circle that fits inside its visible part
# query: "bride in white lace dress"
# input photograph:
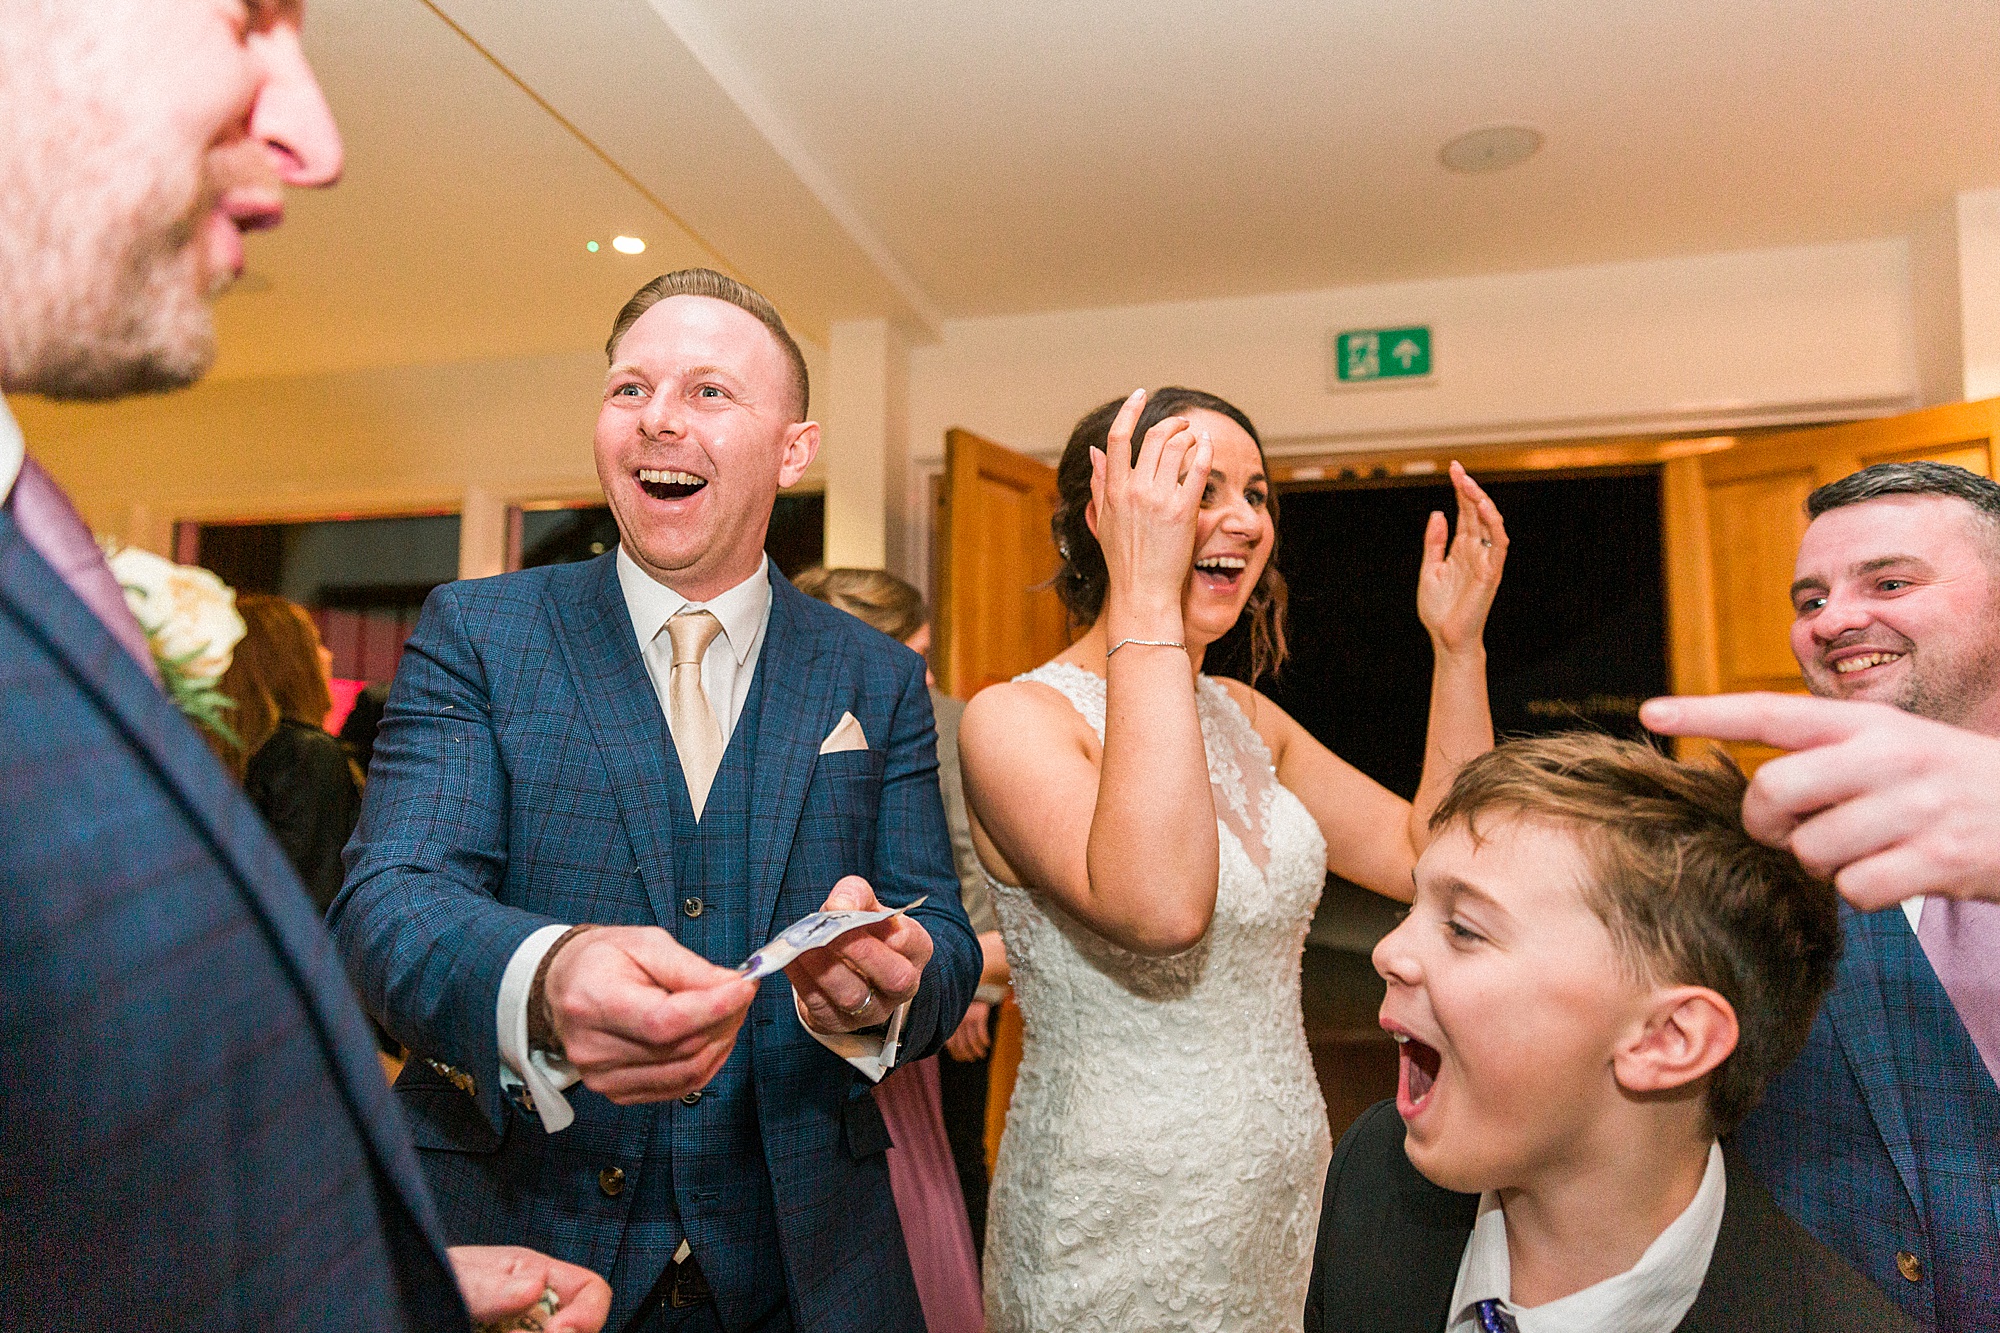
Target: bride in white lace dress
(1158, 840)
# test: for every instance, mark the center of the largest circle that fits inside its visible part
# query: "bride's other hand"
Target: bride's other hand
(1143, 511)
(1455, 589)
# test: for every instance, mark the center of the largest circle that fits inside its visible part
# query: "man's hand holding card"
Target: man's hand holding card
(859, 979)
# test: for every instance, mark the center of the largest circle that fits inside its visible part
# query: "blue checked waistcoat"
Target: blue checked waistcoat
(1883, 1138)
(523, 775)
(194, 1129)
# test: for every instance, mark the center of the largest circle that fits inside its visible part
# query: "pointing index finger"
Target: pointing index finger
(1782, 721)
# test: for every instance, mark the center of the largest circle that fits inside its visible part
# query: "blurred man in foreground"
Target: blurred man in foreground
(195, 1129)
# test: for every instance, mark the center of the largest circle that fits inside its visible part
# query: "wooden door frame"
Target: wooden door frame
(956, 580)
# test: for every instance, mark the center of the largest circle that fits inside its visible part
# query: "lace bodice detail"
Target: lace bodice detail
(1166, 1144)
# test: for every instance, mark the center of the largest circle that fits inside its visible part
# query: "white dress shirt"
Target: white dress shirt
(1650, 1297)
(12, 450)
(727, 667)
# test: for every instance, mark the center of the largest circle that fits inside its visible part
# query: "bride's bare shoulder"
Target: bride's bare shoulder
(1016, 713)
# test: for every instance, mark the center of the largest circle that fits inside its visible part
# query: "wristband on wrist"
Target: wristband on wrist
(1143, 643)
(542, 1034)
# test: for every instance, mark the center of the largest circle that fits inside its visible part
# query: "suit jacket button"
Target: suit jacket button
(691, 1098)
(691, 907)
(612, 1181)
(1909, 1266)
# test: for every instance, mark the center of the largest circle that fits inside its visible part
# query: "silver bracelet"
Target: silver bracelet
(1143, 643)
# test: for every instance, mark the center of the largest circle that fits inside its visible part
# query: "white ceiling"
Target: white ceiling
(934, 159)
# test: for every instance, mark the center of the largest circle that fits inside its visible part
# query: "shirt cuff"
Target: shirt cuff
(873, 1053)
(543, 1076)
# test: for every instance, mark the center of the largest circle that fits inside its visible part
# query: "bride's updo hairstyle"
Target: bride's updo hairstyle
(1081, 580)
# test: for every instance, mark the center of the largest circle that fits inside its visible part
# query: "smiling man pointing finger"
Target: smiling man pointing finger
(1884, 1137)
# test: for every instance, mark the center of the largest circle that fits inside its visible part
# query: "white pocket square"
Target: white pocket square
(846, 735)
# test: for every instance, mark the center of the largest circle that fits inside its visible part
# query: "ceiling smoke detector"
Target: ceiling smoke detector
(1494, 148)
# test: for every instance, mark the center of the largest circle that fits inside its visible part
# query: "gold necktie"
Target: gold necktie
(697, 735)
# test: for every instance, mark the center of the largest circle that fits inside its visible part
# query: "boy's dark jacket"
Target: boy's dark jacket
(1390, 1244)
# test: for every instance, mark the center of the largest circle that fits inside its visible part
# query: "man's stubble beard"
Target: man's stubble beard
(1960, 691)
(101, 286)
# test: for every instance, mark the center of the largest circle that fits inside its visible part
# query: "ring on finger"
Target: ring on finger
(867, 997)
(1485, 541)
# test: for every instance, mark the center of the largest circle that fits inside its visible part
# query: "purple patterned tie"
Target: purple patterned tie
(1962, 940)
(1493, 1319)
(53, 529)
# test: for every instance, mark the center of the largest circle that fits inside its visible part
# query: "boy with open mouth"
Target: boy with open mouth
(1599, 973)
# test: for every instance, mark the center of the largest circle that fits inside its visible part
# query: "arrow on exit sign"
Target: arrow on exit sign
(1363, 355)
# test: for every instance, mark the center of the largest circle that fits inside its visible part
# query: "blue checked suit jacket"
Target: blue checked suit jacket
(194, 1129)
(524, 775)
(1884, 1136)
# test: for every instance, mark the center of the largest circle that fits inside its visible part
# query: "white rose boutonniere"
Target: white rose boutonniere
(190, 620)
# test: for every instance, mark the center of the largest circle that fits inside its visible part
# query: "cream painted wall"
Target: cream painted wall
(1699, 342)
(1778, 335)
(472, 436)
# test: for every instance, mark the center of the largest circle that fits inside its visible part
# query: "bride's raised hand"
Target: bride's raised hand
(1455, 589)
(1143, 511)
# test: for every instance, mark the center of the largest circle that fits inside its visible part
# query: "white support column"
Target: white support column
(482, 534)
(866, 424)
(1955, 295)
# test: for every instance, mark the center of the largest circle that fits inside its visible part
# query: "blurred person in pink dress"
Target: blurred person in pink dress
(938, 1176)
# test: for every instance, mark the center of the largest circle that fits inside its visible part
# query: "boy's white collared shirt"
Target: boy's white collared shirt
(1650, 1297)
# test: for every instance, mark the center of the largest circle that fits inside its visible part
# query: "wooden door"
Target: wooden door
(996, 617)
(996, 614)
(1733, 520)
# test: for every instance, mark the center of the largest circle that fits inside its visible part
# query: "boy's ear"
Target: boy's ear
(1686, 1033)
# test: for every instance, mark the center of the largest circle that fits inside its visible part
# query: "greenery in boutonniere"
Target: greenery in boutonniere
(191, 624)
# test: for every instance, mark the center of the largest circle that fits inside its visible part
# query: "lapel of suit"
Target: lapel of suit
(1858, 1011)
(792, 673)
(224, 818)
(1752, 1284)
(602, 652)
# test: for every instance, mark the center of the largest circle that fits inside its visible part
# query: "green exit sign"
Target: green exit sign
(1361, 356)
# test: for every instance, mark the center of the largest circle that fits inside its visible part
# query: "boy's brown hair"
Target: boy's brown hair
(1688, 896)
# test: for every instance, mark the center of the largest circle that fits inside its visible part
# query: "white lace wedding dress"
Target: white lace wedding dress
(1166, 1145)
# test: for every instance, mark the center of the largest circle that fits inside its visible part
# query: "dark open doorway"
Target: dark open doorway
(1578, 637)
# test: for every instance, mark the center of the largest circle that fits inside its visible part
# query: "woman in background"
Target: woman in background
(297, 776)
(937, 1169)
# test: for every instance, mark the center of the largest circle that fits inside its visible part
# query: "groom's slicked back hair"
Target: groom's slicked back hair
(717, 287)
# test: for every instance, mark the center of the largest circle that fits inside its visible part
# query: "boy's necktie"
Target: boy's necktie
(1493, 1319)
(697, 735)
(1962, 940)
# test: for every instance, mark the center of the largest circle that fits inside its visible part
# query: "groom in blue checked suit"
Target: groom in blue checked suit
(598, 787)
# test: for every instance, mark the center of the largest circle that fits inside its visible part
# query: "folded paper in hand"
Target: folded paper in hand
(812, 932)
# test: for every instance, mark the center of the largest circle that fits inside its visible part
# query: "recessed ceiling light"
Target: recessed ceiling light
(628, 245)
(590, 246)
(1494, 148)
